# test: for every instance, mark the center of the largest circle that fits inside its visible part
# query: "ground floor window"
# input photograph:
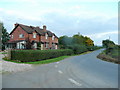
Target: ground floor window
(35, 45)
(47, 45)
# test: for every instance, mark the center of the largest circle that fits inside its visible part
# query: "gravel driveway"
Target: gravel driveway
(6, 66)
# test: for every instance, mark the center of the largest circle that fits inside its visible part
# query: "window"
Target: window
(46, 36)
(34, 35)
(11, 36)
(47, 45)
(21, 36)
(53, 46)
(53, 37)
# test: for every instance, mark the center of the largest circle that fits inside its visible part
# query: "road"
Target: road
(83, 71)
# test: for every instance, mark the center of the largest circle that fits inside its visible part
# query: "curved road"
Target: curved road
(84, 71)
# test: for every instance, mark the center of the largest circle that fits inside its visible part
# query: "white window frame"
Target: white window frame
(11, 36)
(47, 45)
(46, 36)
(34, 35)
(53, 37)
(21, 35)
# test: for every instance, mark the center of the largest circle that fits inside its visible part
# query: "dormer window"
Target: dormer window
(53, 37)
(46, 36)
(34, 35)
(21, 36)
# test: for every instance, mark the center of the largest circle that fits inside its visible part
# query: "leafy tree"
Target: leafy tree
(107, 43)
(89, 42)
(65, 41)
(78, 39)
(5, 36)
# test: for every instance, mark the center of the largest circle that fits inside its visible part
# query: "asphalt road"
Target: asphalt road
(84, 71)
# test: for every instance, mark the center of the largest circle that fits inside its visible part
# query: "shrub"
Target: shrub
(92, 48)
(78, 49)
(38, 55)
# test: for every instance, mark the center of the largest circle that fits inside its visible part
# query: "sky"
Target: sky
(97, 19)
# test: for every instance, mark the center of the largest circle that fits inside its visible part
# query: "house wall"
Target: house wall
(35, 39)
(16, 34)
(38, 38)
(43, 39)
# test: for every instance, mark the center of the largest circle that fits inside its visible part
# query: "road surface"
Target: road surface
(83, 71)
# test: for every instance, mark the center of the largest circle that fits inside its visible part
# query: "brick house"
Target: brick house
(45, 38)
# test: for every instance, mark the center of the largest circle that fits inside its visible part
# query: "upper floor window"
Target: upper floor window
(46, 36)
(34, 35)
(11, 36)
(53, 37)
(21, 36)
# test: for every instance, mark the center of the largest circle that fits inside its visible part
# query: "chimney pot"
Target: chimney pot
(16, 24)
(44, 28)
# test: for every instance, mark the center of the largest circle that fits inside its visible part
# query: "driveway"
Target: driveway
(83, 71)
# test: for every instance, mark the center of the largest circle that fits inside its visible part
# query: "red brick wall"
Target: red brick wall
(16, 34)
(38, 38)
(43, 39)
(35, 39)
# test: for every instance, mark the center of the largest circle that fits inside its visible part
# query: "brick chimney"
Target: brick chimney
(44, 28)
(16, 24)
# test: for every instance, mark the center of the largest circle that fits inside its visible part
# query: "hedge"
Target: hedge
(38, 55)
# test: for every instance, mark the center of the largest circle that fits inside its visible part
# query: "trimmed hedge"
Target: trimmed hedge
(38, 55)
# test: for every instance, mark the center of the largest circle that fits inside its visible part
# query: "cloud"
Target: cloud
(100, 35)
(64, 17)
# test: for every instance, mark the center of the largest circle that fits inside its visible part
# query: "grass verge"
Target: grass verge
(108, 58)
(40, 62)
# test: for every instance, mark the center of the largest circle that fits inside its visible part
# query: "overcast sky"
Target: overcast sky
(97, 19)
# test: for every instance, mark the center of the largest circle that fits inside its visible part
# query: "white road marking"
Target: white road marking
(56, 66)
(57, 62)
(75, 82)
(60, 72)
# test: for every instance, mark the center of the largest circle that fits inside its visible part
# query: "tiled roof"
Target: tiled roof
(31, 29)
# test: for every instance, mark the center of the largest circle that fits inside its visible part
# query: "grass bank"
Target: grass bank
(108, 58)
(40, 62)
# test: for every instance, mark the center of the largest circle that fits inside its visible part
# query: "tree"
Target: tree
(5, 36)
(88, 41)
(107, 43)
(77, 39)
(64, 41)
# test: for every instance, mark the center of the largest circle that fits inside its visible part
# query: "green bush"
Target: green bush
(92, 48)
(113, 51)
(38, 55)
(78, 49)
